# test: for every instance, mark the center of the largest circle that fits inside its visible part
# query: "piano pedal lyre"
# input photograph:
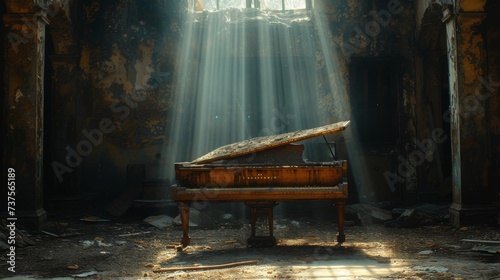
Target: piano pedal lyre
(260, 208)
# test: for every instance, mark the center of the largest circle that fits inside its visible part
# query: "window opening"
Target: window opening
(274, 5)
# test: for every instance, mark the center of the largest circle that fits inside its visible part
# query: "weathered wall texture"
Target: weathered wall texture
(127, 65)
(23, 106)
(127, 59)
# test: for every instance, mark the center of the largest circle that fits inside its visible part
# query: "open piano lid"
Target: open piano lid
(266, 142)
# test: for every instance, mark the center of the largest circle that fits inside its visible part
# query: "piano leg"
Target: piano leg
(253, 220)
(184, 211)
(340, 205)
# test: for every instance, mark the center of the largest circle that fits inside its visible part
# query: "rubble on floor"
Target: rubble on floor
(197, 218)
(410, 217)
(307, 248)
(159, 221)
(21, 239)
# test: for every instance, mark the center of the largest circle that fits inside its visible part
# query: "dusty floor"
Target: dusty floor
(131, 249)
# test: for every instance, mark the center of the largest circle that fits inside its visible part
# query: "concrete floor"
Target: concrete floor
(306, 250)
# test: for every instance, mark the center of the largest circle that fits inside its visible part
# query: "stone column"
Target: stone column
(473, 196)
(23, 79)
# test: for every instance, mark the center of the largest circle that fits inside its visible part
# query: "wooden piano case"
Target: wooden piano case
(260, 175)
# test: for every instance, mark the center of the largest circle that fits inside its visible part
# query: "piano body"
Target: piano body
(261, 172)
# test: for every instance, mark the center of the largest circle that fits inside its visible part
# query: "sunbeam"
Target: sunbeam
(247, 72)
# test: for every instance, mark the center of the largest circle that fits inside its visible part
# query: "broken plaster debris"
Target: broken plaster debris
(440, 269)
(487, 249)
(481, 241)
(100, 243)
(160, 221)
(85, 274)
(369, 214)
(197, 218)
(425, 252)
(87, 243)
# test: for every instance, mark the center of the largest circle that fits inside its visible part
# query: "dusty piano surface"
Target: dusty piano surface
(260, 172)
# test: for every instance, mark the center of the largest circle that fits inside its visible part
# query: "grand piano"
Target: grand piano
(261, 172)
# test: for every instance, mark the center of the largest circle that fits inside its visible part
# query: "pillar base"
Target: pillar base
(473, 214)
(31, 219)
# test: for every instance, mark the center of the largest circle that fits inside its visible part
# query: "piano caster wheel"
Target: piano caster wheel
(261, 241)
(340, 238)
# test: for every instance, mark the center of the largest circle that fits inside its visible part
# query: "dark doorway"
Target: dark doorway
(374, 104)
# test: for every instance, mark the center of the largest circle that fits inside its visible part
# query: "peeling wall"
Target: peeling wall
(127, 57)
(127, 61)
(23, 106)
(127, 64)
